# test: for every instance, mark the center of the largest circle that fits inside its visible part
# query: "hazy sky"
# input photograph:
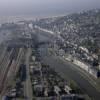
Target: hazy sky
(45, 7)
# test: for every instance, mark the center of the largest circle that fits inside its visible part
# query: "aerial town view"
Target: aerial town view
(49, 50)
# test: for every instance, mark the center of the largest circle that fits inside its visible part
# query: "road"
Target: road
(28, 86)
(66, 70)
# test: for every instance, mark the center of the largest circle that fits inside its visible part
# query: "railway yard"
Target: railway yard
(10, 61)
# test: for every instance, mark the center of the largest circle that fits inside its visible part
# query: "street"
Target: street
(28, 87)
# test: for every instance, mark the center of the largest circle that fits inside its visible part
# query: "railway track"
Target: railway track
(9, 66)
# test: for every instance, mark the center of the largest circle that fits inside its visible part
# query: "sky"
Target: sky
(45, 7)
